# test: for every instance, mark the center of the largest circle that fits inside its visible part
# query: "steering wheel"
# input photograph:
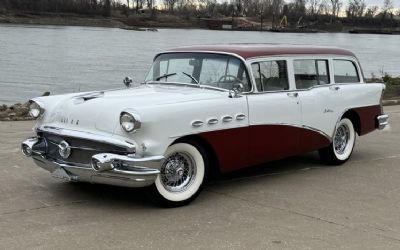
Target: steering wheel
(225, 77)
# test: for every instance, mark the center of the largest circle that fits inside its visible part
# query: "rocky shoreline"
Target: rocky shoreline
(17, 112)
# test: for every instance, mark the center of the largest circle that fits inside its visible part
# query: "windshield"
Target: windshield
(215, 70)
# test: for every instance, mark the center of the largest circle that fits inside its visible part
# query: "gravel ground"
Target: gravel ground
(296, 203)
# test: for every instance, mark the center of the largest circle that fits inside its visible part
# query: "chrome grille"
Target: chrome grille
(82, 150)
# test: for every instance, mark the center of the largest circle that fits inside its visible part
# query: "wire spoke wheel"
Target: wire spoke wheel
(178, 172)
(341, 139)
(341, 148)
(182, 174)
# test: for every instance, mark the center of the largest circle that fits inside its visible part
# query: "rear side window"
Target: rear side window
(345, 71)
(310, 73)
(270, 75)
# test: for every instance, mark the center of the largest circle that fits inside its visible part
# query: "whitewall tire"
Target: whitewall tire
(182, 175)
(341, 148)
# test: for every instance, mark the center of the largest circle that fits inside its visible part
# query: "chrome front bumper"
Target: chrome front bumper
(383, 121)
(105, 168)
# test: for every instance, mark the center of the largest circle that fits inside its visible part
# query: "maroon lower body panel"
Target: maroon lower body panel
(241, 147)
(246, 146)
(367, 117)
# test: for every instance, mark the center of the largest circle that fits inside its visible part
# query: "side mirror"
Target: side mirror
(128, 82)
(237, 90)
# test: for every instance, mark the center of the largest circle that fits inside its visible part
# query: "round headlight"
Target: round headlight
(129, 122)
(35, 109)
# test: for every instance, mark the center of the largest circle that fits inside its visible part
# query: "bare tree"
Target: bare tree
(387, 8)
(371, 11)
(335, 7)
(170, 4)
(356, 8)
(313, 8)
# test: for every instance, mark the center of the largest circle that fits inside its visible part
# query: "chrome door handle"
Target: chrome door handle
(334, 88)
(293, 94)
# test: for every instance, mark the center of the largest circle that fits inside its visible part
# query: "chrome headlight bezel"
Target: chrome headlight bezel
(130, 122)
(36, 109)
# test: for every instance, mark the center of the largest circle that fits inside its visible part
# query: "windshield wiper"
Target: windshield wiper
(172, 74)
(192, 77)
(165, 76)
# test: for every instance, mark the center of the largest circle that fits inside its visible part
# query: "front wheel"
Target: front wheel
(181, 177)
(339, 151)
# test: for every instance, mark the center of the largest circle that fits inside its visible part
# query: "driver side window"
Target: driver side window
(224, 73)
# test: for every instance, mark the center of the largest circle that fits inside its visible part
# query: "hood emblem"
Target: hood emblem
(64, 149)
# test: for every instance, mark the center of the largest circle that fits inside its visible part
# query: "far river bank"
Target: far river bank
(144, 21)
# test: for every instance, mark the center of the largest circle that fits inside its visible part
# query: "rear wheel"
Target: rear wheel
(182, 175)
(341, 148)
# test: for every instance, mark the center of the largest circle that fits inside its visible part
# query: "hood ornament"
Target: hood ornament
(128, 82)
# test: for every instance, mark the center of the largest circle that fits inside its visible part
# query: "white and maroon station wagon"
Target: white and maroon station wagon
(208, 108)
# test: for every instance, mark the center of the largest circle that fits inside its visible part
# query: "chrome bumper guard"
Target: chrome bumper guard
(106, 168)
(383, 121)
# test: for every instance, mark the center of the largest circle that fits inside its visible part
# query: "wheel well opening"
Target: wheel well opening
(354, 118)
(214, 170)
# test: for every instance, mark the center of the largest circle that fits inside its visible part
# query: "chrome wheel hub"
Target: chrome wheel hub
(178, 172)
(341, 138)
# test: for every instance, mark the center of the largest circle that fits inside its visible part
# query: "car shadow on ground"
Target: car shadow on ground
(286, 166)
(136, 197)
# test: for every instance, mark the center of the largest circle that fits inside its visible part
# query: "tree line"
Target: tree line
(269, 9)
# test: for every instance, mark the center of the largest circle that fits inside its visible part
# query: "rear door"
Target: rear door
(320, 101)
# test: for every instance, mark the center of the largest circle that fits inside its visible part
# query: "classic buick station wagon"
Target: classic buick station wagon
(208, 108)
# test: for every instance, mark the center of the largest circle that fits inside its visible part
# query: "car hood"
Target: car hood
(100, 110)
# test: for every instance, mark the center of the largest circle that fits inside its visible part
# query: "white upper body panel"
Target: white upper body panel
(168, 111)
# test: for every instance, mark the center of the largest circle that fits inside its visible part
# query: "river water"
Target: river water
(63, 59)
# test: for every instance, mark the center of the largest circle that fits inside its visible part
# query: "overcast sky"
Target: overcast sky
(377, 2)
(396, 3)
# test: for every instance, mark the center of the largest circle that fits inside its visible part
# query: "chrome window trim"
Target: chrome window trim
(288, 72)
(357, 67)
(290, 58)
(244, 61)
(289, 63)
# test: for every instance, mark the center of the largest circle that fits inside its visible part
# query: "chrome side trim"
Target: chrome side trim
(212, 121)
(227, 118)
(88, 136)
(383, 121)
(297, 126)
(318, 131)
(197, 123)
(208, 129)
(240, 117)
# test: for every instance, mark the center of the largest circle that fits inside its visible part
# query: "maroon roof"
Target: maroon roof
(256, 50)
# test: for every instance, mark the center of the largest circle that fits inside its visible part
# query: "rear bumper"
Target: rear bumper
(382, 121)
(105, 168)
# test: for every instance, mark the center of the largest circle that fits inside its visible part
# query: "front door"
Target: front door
(274, 113)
